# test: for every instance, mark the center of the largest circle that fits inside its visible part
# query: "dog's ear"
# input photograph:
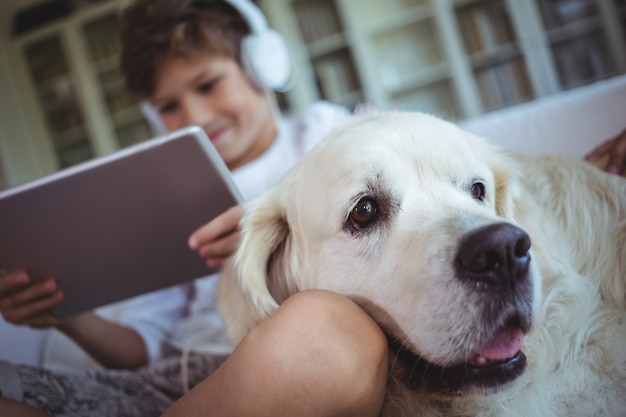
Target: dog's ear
(246, 295)
(506, 173)
(264, 238)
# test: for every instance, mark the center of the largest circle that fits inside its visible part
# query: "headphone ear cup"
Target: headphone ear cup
(266, 59)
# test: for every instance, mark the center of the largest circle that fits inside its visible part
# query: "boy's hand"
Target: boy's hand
(24, 303)
(218, 239)
(614, 150)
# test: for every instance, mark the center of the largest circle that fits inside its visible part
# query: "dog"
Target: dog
(508, 295)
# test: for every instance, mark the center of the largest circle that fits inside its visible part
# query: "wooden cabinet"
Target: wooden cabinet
(73, 72)
(582, 36)
(456, 58)
(56, 92)
(125, 116)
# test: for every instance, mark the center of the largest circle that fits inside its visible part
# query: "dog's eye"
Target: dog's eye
(364, 213)
(478, 190)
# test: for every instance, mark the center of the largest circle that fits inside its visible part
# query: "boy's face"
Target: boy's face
(214, 93)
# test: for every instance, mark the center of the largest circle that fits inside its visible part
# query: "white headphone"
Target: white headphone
(264, 56)
(152, 116)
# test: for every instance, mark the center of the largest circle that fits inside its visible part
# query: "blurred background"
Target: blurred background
(62, 97)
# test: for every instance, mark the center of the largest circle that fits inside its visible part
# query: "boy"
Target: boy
(319, 354)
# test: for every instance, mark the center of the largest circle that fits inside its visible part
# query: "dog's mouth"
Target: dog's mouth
(502, 347)
(496, 363)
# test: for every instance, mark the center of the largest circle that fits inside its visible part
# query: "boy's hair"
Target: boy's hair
(153, 30)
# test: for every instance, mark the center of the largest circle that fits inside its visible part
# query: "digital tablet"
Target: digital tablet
(118, 226)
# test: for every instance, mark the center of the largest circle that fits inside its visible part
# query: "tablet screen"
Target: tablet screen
(118, 226)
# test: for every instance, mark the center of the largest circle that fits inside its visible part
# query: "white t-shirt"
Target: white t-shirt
(203, 329)
(185, 315)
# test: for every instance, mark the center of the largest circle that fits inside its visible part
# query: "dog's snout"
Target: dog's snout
(496, 255)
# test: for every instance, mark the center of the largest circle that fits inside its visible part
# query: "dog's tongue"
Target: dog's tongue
(505, 344)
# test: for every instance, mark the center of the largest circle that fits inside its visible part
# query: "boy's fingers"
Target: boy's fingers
(599, 151)
(221, 248)
(615, 147)
(27, 314)
(222, 225)
(25, 296)
(616, 162)
(11, 282)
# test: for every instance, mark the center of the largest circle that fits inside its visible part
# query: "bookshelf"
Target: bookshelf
(456, 58)
(73, 77)
(579, 41)
(56, 93)
(323, 38)
(494, 54)
(404, 64)
(127, 120)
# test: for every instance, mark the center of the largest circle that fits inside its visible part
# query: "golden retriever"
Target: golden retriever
(499, 278)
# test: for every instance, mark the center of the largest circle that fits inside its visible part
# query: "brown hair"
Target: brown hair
(153, 30)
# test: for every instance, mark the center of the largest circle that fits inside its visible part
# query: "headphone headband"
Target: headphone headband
(253, 15)
(264, 54)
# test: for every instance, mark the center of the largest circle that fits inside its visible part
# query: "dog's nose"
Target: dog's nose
(495, 255)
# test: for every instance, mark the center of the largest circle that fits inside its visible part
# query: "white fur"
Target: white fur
(401, 270)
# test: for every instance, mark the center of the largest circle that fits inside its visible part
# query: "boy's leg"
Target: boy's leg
(11, 394)
(107, 393)
(16, 409)
(319, 354)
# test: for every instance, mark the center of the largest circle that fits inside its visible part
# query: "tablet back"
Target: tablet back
(117, 226)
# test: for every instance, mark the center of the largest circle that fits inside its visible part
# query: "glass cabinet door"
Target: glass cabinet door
(411, 66)
(321, 28)
(578, 40)
(56, 92)
(494, 53)
(102, 35)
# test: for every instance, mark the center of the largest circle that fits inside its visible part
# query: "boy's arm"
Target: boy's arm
(112, 345)
(23, 303)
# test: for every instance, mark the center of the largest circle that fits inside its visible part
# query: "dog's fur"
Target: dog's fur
(418, 181)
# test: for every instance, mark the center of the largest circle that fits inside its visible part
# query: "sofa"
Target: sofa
(568, 123)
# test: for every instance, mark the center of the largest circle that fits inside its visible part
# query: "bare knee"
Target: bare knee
(335, 325)
(16, 409)
(325, 342)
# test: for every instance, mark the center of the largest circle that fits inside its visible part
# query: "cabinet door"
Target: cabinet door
(322, 30)
(579, 42)
(56, 91)
(411, 63)
(458, 58)
(494, 53)
(102, 37)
